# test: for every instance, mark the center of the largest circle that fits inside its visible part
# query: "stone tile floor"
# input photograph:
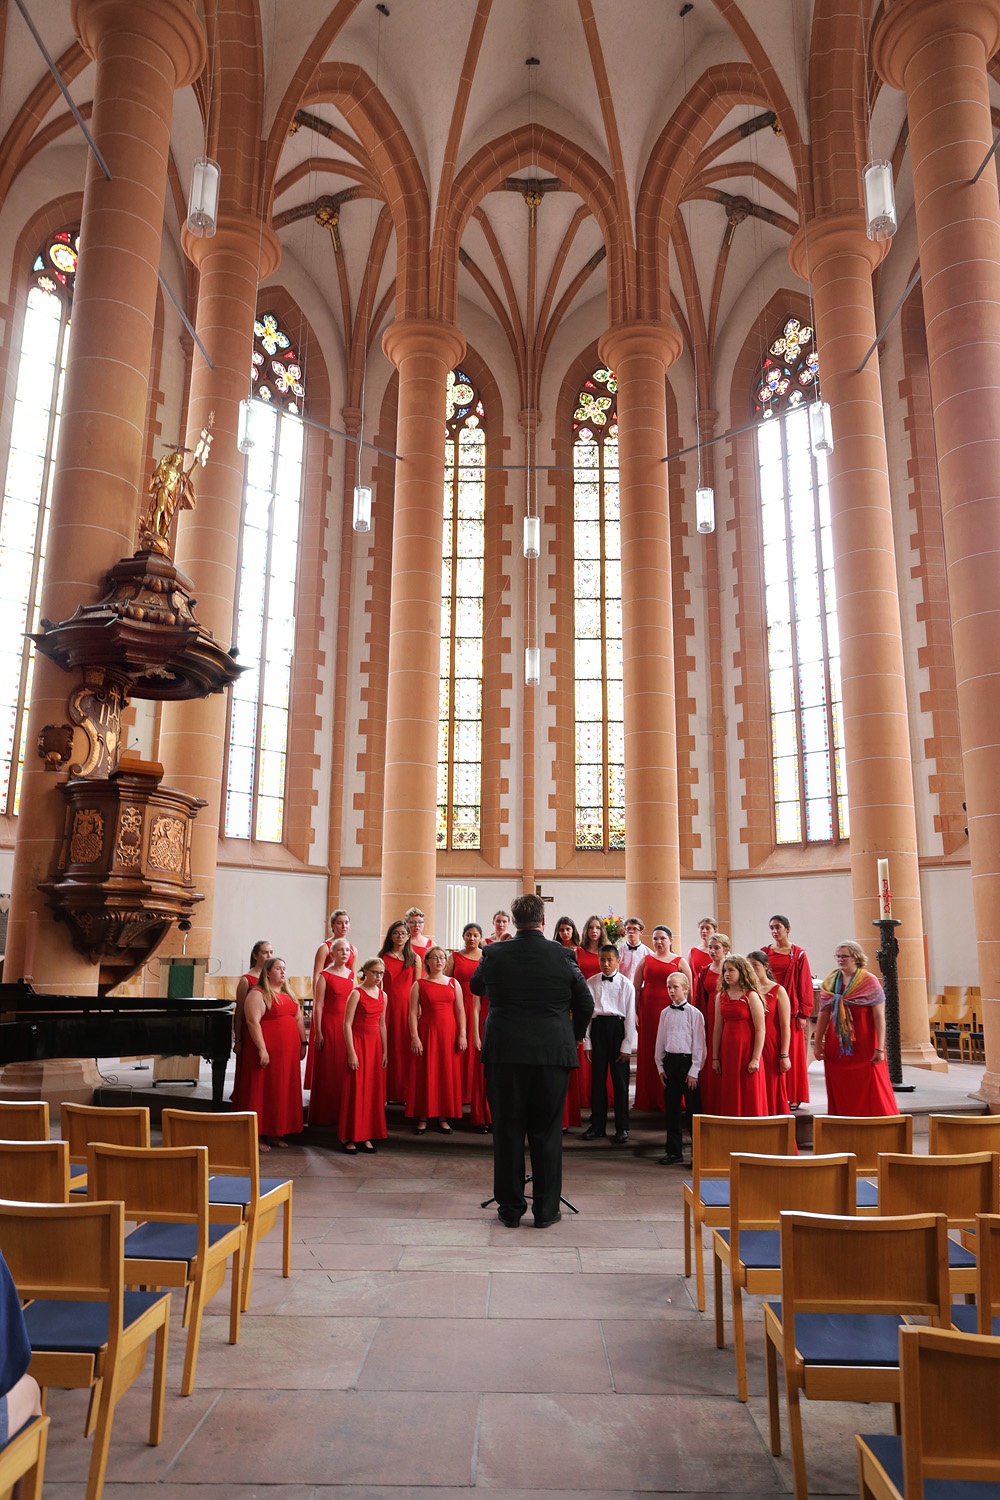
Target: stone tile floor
(421, 1349)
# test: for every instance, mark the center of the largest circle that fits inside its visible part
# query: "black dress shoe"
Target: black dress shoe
(509, 1221)
(671, 1161)
(621, 1137)
(590, 1134)
(544, 1223)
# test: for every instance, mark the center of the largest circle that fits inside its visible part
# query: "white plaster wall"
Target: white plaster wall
(285, 906)
(818, 907)
(951, 939)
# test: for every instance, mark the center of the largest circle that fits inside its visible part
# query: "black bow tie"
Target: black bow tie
(607, 978)
(682, 1006)
(632, 947)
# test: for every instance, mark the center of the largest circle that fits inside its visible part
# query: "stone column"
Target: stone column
(531, 575)
(640, 355)
(938, 54)
(144, 50)
(193, 733)
(840, 257)
(423, 352)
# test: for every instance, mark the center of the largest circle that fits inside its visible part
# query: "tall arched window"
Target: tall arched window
(460, 747)
(803, 646)
(597, 618)
(265, 608)
(25, 515)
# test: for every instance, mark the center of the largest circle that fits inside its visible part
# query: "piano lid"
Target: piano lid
(21, 997)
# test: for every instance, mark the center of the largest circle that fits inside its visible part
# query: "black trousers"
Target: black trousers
(676, 1066)
(606, 1036)
(526, 1101)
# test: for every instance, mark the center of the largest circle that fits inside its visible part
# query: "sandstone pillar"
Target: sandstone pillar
(193, 733)
(938, 54)
(840, 257)
(144, 50)
(640, 355)
(423, 352)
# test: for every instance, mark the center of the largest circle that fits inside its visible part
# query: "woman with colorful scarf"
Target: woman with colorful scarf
(850, 1038)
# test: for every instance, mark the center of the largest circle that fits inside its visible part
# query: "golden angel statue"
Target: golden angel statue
(171, 489)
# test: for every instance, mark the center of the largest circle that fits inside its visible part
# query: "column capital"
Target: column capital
(654, 340)
(831, 235)
(529, 417)
(237, 234)
(352, 419)
(409, 337)
(707, 419)
(174, 24)
(908, 25)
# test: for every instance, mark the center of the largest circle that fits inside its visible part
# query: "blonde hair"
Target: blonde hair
(744, 968)
(435, 949)
(860, 956)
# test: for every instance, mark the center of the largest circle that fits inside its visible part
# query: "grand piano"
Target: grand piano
(35, 1027)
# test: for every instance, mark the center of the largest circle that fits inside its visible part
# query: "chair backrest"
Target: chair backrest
(950, 1386)
(35, 1171)
(231, 1140)
(714, 1138)
(987, 1270)
(761, 1188)
(65, 1251)
(862, 1264)
(167, 1186)
(84, 1123)
(958, 1186)
(24, 1121)
(953, 1135)
(866, 1136)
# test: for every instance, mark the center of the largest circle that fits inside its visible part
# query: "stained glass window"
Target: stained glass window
(265, 609)
(460, 744)
(597, 618)
(803, 645)
(25, 515)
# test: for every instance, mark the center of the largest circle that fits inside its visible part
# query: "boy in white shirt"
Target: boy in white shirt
(609, 1042)
(632, 950)
(680, 1053)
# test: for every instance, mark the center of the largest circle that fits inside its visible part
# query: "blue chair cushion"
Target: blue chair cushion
(960, 1259)
(714, 1191)
(79, 1327)
(964, 1315)
(760, 1249)
(77, 1169)
(169, 1241)
(237, 1189)
(846, 1338)
(889, 1452)
(866, 1193)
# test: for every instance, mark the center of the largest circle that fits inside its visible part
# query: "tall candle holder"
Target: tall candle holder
(887, 955)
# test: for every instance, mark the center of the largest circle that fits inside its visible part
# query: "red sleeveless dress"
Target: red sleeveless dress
(479, 1105)
(775, 1085)
(589, 964)
(274, 1093)
(740, 1092)
(241, 1036)
(705, 993)
(398, 984)
(330, 1066)
(435, 1087)
(362, 1099)
(352, 960)
(650, 1006)
(463, 969)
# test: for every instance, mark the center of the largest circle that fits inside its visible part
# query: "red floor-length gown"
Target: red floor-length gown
(775, 1086)
(330, 1065)
(463, 969)
(854, 1084)
(589, 964)
(241, 1036)
(352, 960)
(740, 1092)
(479, 1105)
(435, 1086)
(651, 1004)
(274, 1093)
(705, 994)
(362, 1100)
(398, 984)
(791, 970)
(698, 959)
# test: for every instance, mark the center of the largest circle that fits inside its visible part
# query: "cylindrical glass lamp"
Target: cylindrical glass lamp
(362, 507)
(880, 200)
(532, 666)
(244, 436)
(532, 536)
(203, 202)
(704, 508)
(820, 428)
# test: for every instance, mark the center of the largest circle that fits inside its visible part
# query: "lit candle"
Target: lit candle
(884, 894)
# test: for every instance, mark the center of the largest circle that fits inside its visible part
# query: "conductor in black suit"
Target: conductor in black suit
(539, 1009)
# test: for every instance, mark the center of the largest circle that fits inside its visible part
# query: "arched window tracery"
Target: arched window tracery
(27, 487)
(803, 646)
(265, 594)
(599, 804)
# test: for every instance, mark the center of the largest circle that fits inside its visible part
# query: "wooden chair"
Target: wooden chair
(175, 1245)
(236, 1192)
(24, 1122)
(866, 1137)
(846, 1284)
(35, 1171)
(23, 1459)
(950, 1388)
(954, 1135)
(985, 1316)
(85, 1330)
(84, 1123)
(760, 1188)
(706, 1193)
(960, 1187)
